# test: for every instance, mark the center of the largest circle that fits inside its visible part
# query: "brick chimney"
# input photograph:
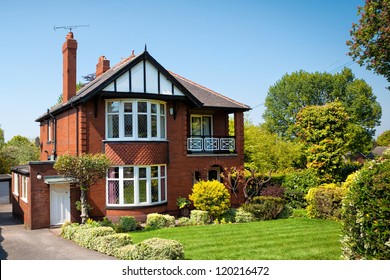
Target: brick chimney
(69, 51)
(102, 66)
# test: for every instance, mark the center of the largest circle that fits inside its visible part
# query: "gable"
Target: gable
(143, 77)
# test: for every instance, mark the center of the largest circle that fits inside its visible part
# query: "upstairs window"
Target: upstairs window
(135, 120)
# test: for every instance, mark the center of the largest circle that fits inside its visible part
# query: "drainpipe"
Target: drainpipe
(77, 128)
(54, 152)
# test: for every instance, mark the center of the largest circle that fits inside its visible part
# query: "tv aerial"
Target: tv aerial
(69, 27)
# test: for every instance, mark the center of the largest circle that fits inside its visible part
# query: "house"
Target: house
(161, 131)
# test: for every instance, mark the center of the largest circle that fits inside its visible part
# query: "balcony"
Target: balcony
(211, 145)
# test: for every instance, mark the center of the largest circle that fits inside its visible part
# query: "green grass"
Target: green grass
(284, 239)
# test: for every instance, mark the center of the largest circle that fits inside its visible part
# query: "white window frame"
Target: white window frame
(16, 184)
(202, 134)
(160, 118)
(24, 188)
(162, 169)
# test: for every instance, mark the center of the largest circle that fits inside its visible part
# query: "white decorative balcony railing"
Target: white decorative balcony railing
(206, 144)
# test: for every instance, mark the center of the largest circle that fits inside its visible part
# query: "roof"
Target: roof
(58, 179)
(199, 95)
(5, 177)
(379, 150)
(21, 169)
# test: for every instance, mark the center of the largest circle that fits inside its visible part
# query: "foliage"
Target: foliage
(184, 221)
(108, 244)
(297, 184)
(86, 236)
(211, 196)
(369, 43)
(182, 202)
(266, 151)
(155, 221)
(2, 141)
(229, 216)
(264, 207)
(199, 217)
(383, 139)
(366, 213)
(69, 229)
(126, 224)
(324, 131)
(273, 190)
(298, 90)
(85, 169)
(243, 216)
(325, 201)
(159, 249)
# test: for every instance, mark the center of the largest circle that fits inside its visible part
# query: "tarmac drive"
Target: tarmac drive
(18, 243)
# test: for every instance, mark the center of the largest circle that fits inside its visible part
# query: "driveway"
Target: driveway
(18, 243)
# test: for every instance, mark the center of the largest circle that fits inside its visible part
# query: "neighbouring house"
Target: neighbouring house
(161, 131)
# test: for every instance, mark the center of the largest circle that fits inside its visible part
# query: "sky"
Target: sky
(238, 48)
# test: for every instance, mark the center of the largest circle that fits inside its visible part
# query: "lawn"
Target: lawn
(284, 239)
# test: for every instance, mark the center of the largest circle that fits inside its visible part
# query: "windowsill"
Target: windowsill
(24, 199)
(134, 140)
(212, 155)
(125, 207)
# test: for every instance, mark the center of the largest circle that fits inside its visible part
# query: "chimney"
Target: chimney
(102, 66)
(69, 50)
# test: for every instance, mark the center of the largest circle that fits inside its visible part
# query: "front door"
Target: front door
(59, 204)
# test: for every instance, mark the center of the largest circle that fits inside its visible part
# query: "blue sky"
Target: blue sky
(237, 48)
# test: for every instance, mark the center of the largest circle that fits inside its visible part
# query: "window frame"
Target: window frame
(159, 130)
(24, 189)
(15, 188)
(202, 132)
(148, 178)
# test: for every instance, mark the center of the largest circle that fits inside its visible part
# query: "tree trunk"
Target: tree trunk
(84, 206)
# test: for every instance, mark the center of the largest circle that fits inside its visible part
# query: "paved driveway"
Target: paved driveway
(18, 243)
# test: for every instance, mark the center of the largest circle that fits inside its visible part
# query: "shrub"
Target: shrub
(152, 249)
(265, 207)
(366, 214)
(106, 223)
(297, 185)
(210, 196)
(69, 229)
(155, 221)
(274, 191)
(244, 217)
(184, 221)
(325, 201)
(108, 244)
(126, 224)
(229, 216)
(86, 237)
(199, 217)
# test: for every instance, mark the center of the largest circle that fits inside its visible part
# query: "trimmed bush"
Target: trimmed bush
(325, 201)
(264, 207)
(211, 196)
(229, 216)
(199, 217)
(244, 217)
(126, 224)
(297, 185)
(160, 249)
(128, 252)
(86, 237)
(366, 214)
(108, 244)
(156, 221)
(69, 229)
(184, 221)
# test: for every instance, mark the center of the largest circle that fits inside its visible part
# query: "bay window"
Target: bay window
(136, 185)
(135, 120)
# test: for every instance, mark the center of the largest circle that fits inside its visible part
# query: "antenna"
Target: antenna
(70, 27)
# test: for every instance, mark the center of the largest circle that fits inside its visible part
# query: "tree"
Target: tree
(300, 89)
(85, 170)
(370, 38)
(2, 142)
(324, 131)
(384, 139)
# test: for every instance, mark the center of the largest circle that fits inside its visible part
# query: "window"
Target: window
(24, 188)
(136, 120)
(136, 185)
(201, 125)
(16, 184)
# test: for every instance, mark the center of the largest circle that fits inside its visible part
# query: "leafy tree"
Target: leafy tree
(384, 139)
(300, 89)
(266, 151)
(85, 170)
(369, 43)
(324, 131)
(2, 142)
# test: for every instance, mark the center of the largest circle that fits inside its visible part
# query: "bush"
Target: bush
(126, 224)
(86, 237)
(366, 214)
(156, 221)
(184, 221)
(211, 196)
(152, 249)
(274, 191)
(297, 185)
(106, 223)
(199, 217)
(229, 216)
(265, 207)
(69, 229)
(244, 217)
(108, 244)
(325, 201)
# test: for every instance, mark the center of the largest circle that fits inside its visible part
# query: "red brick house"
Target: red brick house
(161, 131)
